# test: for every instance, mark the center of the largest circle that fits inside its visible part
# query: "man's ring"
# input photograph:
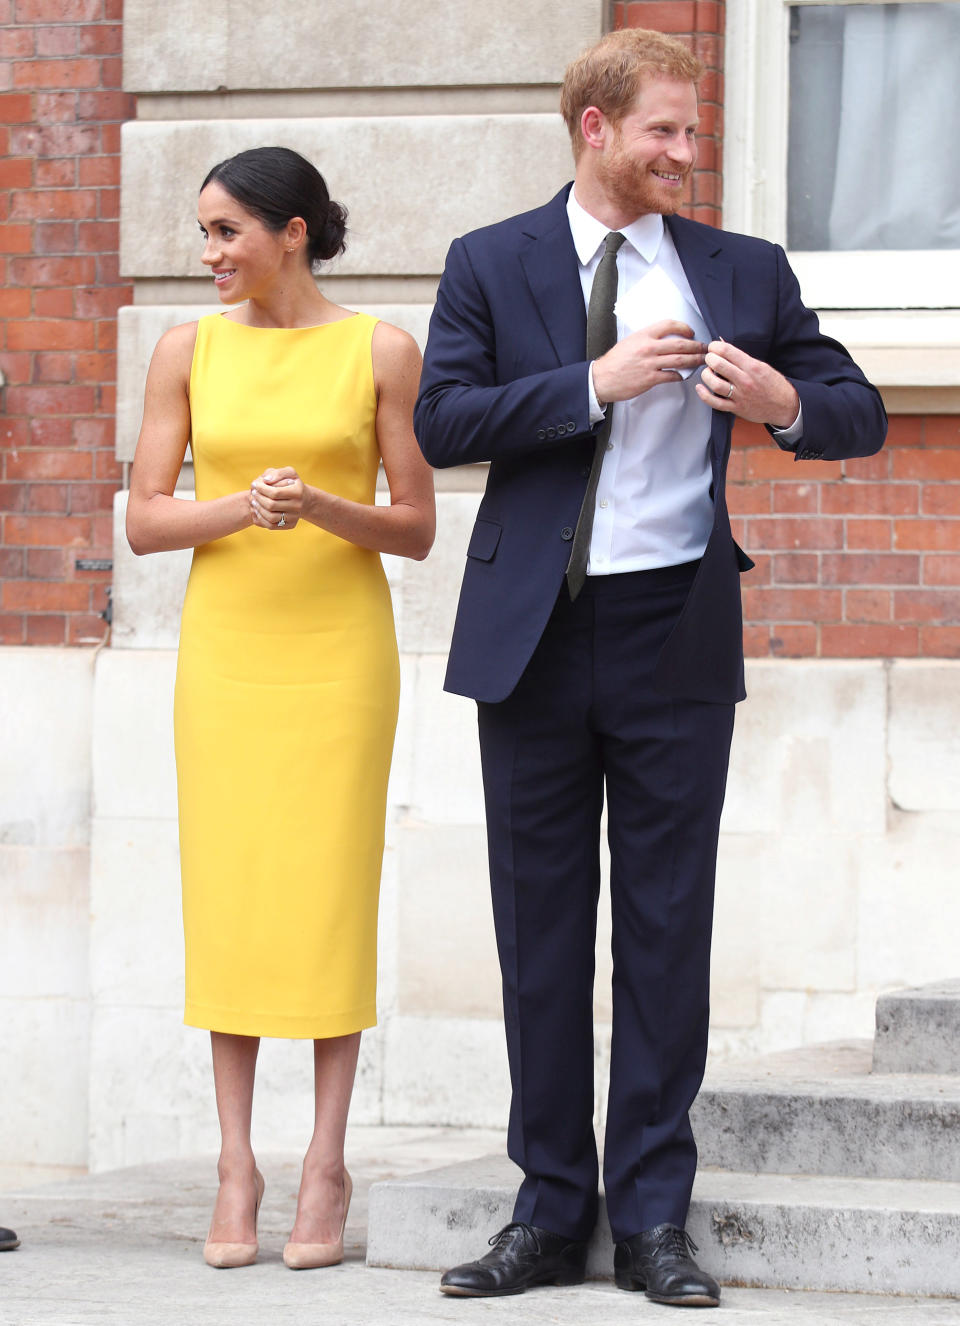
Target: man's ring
(730, 393)
(282, 521)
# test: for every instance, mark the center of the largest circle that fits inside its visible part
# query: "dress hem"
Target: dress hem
(278, 1027)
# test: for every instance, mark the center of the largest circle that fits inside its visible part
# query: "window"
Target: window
(843, 143)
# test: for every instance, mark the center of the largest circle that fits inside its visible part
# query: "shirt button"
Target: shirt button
(609, 446)
(603, 502)
(567, 533)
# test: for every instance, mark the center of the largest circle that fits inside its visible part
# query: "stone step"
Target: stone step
(820, 1110)
(773, 1231)
(918, 1031)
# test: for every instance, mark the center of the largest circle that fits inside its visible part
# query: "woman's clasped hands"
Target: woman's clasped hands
(276, 498)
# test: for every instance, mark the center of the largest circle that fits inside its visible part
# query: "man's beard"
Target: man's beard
(636, 190)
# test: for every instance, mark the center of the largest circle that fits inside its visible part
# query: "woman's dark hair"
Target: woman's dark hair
(276, 184)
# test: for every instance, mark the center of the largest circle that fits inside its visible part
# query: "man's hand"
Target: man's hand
(644, 359)
(736, 383)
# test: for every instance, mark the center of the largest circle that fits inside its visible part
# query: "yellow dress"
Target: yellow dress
(286, 695)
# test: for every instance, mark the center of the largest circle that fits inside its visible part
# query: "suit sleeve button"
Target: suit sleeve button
(541, 435)
(567, 533)
(551, 432)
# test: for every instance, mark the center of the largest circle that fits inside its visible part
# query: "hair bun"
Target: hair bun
(331, 239)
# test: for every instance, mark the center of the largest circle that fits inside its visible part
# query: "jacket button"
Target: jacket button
(551, 432)
(567, 533)
(541, 435)
(571, 427)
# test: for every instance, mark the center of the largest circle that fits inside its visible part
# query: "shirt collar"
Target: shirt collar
(645, 234)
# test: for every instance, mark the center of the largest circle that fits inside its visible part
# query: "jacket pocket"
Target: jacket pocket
(484, 540)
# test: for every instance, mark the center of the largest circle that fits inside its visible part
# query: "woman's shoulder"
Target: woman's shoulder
(394, 345)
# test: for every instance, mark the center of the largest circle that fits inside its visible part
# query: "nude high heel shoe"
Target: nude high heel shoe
(307, 1256)
(230, 1255)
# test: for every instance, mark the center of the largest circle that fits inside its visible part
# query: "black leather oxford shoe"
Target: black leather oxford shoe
(8, 1240)
(521, 1256)
(659, 1261)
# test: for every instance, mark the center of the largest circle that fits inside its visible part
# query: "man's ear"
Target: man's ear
(593, 124)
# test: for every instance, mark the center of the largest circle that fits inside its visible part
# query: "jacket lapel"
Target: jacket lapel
(549, 263)
(711, 279)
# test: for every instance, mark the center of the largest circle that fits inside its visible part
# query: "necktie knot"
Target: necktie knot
(612, 242)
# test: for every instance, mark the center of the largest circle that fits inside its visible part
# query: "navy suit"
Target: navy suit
(629, 689)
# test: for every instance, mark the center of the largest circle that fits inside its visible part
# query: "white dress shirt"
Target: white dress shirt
(653, 497)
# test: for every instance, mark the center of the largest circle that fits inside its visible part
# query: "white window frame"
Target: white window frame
(757, 89)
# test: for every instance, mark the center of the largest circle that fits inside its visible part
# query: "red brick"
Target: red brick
(756, 641)
(796, 568)
(90, 498)
(795, 532)
(11, 563)
(57, 73)
(14, 433)
(16, 108)
(109, 205)
(102, 39)
(932, 534)
(56, 236)
(16, 173)
(45, 596)
(53, 367)
(761, 573)
(56, 172)
(870, 535)
(942, 430)
(708, 46)
(99, 171)
(17, 369)
(868, 605)
(47, 563)
(85, 629)
(49, 204)
(61, 40)
(13, 497)
(45, 628)
(749, 499)
(111, 133)
(866, 640)
(927, 605)
(102, 303)
(12, 630)
(112, 9)
(709, 16)
(770, 462)
(47, 498)
(42, 334)
(940, 641)
(866, 467)
(796, 498)
(107, 331)
(50, 432)
(15, 239)
(47, 531)
(794, 641)
(51, 401)
(95, 366)
(105, 106)
(14, 303)
(106, 399)
(93, 433)
(941, 569)
(49, 465)
(111, 72)
(668, 16)
(905, 430)
(54, 303)
(869, 499)
(924, 464)
(59, 140)
(15, 43)
(98, 236)
(56, 107)
(940, 499)
(797, 605)
(108, 269)
(870, 569)
(52, 271)
(58, 11)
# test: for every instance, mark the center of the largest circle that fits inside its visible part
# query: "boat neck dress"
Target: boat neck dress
(286, 695)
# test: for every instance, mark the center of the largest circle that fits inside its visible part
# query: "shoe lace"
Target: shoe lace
(676, 1241)
(504, 1235)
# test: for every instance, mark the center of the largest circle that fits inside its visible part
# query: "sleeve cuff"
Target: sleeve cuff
(596, 409)
(788, 439)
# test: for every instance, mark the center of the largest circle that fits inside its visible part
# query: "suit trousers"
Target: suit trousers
(583, 720)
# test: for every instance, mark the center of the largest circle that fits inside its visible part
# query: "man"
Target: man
(599, 629)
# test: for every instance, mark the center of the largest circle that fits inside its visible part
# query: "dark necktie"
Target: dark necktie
(601, 336)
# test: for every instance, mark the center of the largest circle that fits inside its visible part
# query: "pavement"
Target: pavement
(123, 1248)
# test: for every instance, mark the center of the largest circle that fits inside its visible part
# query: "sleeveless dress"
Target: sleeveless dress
(286, 696)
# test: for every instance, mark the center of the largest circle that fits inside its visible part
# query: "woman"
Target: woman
(287, 679)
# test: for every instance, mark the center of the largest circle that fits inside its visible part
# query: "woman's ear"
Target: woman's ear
(295, 234)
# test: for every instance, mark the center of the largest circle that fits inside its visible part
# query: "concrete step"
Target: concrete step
(918, 1031)
(774, 1231)
(820, 1110)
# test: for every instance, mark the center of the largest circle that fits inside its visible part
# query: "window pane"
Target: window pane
(874, 147)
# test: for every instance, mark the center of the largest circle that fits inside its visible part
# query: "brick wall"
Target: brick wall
(60, 109)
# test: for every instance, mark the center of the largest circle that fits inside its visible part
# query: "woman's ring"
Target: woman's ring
(282, 521)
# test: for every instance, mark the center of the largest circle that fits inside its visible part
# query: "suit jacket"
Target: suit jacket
(505, 381)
